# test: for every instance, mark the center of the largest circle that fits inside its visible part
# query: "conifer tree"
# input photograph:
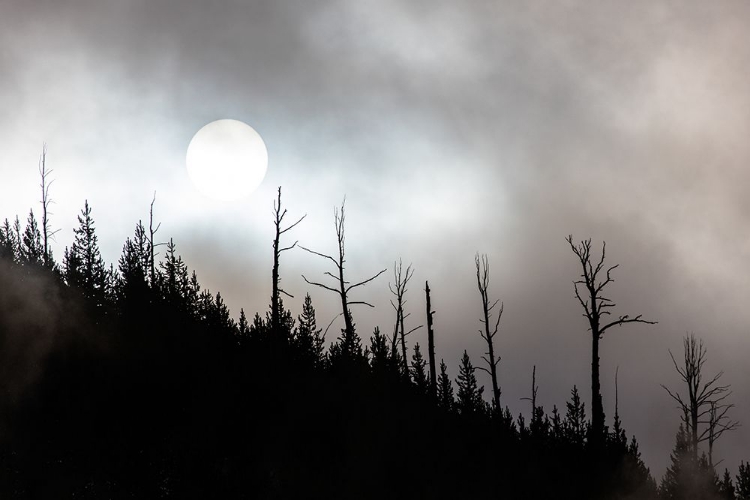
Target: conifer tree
(686, 477)
(743, 481)
(243, 327)
(308, 338)
(445, 389)
(418, 373)
(32, 251)
(380, 352)
(384, 361)
(83, 264)
(575, 418)
(133, 266)
(469, 396)
(8, 243)
(258, 328)
(727, 490)
(173, 277)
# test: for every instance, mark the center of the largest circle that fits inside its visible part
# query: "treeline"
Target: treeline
(132, 381)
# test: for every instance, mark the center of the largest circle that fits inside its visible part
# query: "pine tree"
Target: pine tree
(133, 266)
(686, 477)
(32, 251)
(83, 264)
(173, 277)
(308, 337)
(469, 396)
(380, 352)
(258, 329)
(576, 425)
(418, 372)
(445, 389)
(743, 481)
(243, 328)
(726, 487)
(8, 243)
(348, 348)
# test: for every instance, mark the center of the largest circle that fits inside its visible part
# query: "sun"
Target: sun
(227, 160)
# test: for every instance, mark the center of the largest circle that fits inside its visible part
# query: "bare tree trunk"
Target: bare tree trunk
(430, 342)
(46, 201)
(596, 307)
(401, 279)
(483, 282)
(705, 400)
(276, 290)
(597, 407)
(151, 245)
(343, 286)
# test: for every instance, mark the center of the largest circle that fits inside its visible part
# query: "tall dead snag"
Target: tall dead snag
(704, 410)
(343, 287)
(401, 279)
(151, 245)
(595, 307)
(276, 291)
(430, 342)
(46, 201)
(534, 391)
(483, 283)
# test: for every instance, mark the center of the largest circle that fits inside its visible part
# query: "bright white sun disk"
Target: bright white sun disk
(227, 160)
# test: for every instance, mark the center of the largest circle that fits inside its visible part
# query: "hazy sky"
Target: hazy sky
(451, 127)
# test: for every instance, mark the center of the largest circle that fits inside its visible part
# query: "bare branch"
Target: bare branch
(365, 281)
(321, 255)
(321, 285)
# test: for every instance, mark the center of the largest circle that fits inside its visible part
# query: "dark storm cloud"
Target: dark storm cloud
(453, 127)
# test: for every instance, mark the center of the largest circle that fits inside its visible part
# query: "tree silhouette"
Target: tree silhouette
(596, 306)
(483, 283)
(401, 279)
(704, 409)
(32, 251)
(576, 426)
(687, 477)
(469, 396)
(83, 263)
(727, 490)
(276, 306)
(351, 344)
(308, 338)
(743, 481)
(430, 341)
(418, 374)
(46, 201)
(445, 389)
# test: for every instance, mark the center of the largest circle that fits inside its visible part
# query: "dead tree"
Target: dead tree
(430, 342)
(534, 391)
(704, 408)
(47, 234)
(596, 306)
(483, 283)
(276, 291)
(401, 279)
(342, 286)
(151, 245)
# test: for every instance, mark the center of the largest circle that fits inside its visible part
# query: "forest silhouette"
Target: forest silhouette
(130, 380)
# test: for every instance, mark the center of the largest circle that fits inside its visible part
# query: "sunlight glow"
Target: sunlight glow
(227, 160)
